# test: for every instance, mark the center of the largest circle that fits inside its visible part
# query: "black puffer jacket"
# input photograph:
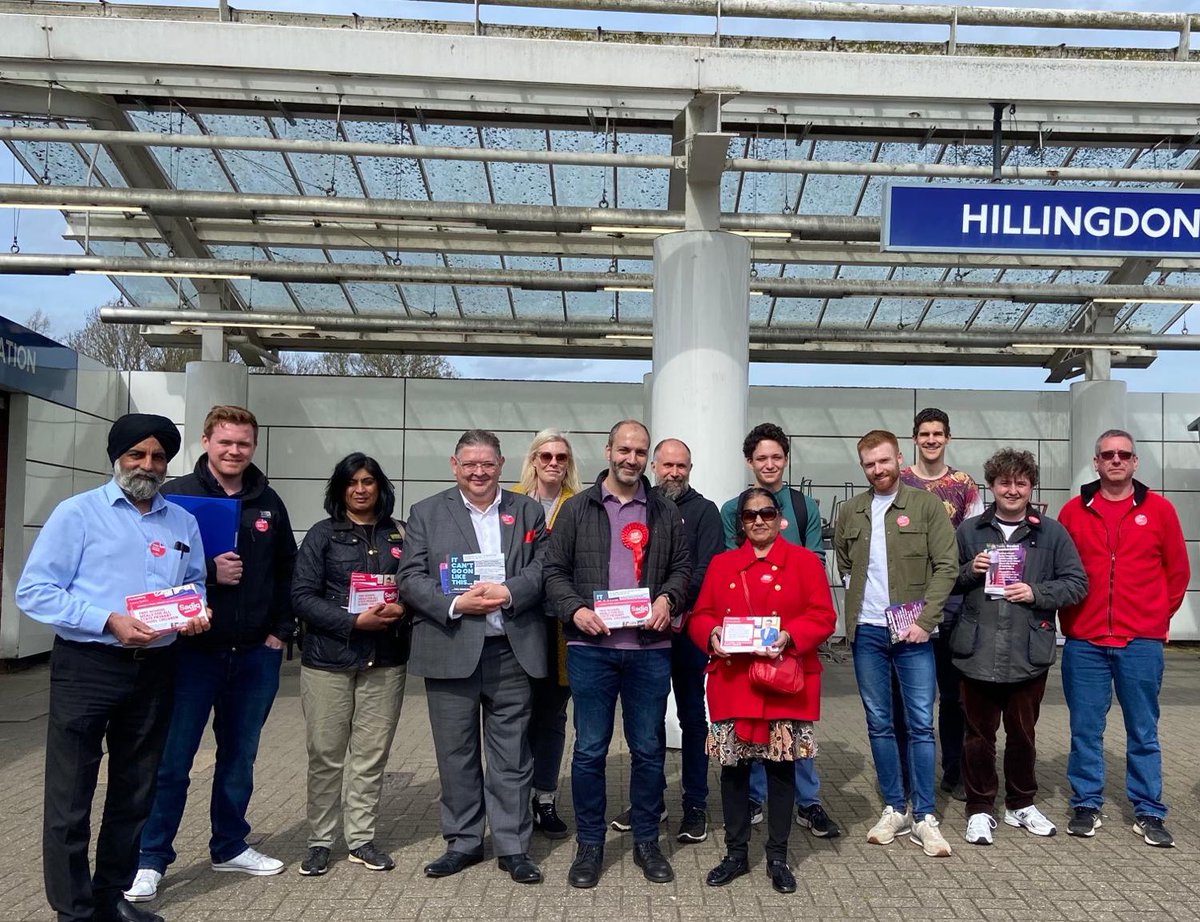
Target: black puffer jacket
(705, 537)
(331, 551)
(576, 563)
(999, 641)
(261, 603)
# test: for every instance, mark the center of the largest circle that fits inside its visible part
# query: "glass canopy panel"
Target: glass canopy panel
(369, 297)
(484, 301)
(771, 193)
(637, 187)
(453, 180)
(1149, 318)
(899, 313)
(582, 186)
(835, 194)
(1050, 317)
(60, 163)
(949, 313)
(145, 291)
(584, 306)
(184, 168)
(999, 315)
(538, 305)
(894, 153)
(635, 306)
(434, 300)
(760, 309)
(518, 183)
(796, 311)
(105, 167)
(319, 174)
(1103, 158)
(264, 296)
(256, 171)
(847, 313)
(387, 177)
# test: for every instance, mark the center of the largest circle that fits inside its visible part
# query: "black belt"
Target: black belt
(114, 649)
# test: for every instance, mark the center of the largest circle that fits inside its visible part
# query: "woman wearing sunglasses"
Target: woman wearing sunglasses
(765, 576)
(550, 476)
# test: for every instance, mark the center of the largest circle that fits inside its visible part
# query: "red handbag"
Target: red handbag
(780, 676)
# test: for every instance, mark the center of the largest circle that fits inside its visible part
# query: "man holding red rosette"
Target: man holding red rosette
(616, 570)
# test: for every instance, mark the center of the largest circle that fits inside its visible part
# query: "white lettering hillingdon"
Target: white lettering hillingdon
(18, 356)
(1097, 221)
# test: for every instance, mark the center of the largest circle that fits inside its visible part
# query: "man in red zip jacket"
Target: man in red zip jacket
(1133, 550)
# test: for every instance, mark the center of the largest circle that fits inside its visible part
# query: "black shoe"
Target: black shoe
(623, 821)
(521, 868)
(694, 827)
(729, 870)
(124, 911)
(654, 864)
(372, 858)
(1152, 831)
(316, 862)
(585, 869)
(1084, 822)
(451, 863)
(547, 821)
(782, 878)
(955, 789)
(818, 822)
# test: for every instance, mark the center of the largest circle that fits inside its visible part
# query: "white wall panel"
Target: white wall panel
(157, 392)
(427, 453)
(1186, 623)
(100, 391)
(1178, 411)
(1187, 506)
(1181, 466)
(519, 405)
(91, 444)
(314, 400)
(1054, 465)
(45, 487)
(304, 500)
(1145, 416)
(1001, 415)
(51, 437)
(313, 453)
(840, 411)
(1194, 560)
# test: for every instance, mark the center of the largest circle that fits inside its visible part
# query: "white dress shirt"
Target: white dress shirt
(486, 523)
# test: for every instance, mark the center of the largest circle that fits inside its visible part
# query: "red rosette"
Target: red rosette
(634, 536)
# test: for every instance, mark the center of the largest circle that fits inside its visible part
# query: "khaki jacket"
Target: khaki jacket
(922, 553)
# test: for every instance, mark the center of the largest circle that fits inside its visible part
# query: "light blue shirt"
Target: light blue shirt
(97, 548)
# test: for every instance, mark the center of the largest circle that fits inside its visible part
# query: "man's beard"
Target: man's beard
(673, 489)
(138, 485)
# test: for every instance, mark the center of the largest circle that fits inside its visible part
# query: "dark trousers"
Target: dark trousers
(985, 705)
(951, 724)
(687, 678)
(735, 801)
(548, 731)
(100, 696)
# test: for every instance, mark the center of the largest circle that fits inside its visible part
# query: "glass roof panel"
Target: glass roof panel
(999, 315)
(1050, 317)
(894, 153)
(637, 187)
(319, 173)
(760, 309)
(257, 171)
(453, 180)
(145, 291)
(590, 305)
(796, 311)
(320, 296)
(949, 313)
(387, 177)
(635, 306)
(518, 183)
(184, 168)
(375, 298)
(264, 296)
(1105, 158)
(105, 166)
(835, 194)
(900, 313)
(847, 312)
(538, 305)
(1149, 318)
(60, 162)
(581, 185)
(434, 300)
(484, 301)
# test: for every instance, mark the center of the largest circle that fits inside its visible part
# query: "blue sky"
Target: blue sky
(67, 300)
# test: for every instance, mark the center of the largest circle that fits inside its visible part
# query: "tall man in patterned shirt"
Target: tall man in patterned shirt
(960, 495)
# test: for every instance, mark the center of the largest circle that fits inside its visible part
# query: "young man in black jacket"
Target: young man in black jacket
(231, 672)
(617, 535)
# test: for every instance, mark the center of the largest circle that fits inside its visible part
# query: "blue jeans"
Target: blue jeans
(642, 680)
(237, 687)
(875, 656)
(808, 785)
(687, 679)
(1089, 675)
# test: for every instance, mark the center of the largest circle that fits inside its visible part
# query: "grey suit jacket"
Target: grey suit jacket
(445, 648)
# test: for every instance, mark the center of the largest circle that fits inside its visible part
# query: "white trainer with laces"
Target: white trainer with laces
(1031, 819)
(144, 887)
(890, 825)
(979, 828)
(927, 835)
(251, 862)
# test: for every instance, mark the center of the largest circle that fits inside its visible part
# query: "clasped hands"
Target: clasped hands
(774, 651)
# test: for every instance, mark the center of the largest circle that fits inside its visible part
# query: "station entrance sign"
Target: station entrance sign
(984, 218)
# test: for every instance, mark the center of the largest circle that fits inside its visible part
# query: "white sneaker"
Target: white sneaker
(251, 862)
(979, 828)
(890, 825)
(144, 887)
(927, 835)
(1030, 818)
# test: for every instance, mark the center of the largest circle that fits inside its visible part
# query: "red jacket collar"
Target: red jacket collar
(777, 555)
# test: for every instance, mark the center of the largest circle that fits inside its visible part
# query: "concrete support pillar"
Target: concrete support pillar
(1095, 407)
(702, 352)
(206, 385)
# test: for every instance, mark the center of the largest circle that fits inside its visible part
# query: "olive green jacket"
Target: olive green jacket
(922, 553)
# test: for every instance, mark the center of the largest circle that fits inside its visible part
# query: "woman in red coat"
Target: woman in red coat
(764, 576)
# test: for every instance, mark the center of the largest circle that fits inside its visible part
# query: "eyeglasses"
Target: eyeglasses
(546, 457)
(488, 467)
(767, 514)
(1115, 453)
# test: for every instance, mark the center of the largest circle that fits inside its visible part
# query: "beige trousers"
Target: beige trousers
(350, 720)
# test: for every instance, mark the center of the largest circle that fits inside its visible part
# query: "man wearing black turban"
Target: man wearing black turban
(111, 676)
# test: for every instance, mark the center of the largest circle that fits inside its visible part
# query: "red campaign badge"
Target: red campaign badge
(1032, 519)
(157, 548)
(634, 536)
(766, 578)
(507, 519)
(396, 552)
(530, 536)
(1141, 519)
(903, 520)
(262, 524)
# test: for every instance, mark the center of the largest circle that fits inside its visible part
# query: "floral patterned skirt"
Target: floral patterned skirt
(787, 741)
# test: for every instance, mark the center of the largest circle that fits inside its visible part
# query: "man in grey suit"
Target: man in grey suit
(477, 651)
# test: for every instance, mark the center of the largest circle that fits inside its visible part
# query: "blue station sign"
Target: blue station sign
(983, 218)
(34, 364)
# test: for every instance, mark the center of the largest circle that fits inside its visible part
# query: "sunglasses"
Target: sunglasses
(547, 456)
(767, 514)
(1114, 453)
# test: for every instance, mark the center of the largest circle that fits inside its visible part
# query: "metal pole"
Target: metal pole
(997, 139)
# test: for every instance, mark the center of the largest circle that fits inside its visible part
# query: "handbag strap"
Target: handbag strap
(746, 593)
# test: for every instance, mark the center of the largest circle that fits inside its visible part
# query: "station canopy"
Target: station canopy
(335, 182)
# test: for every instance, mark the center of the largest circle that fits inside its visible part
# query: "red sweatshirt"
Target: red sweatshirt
(1137, 574)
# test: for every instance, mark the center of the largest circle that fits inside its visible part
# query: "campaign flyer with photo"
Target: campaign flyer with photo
(459, 572)
(166, 609)
(370, 589)
(750, 634)
(1006, 565)
(901, 617)
(620, 608)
